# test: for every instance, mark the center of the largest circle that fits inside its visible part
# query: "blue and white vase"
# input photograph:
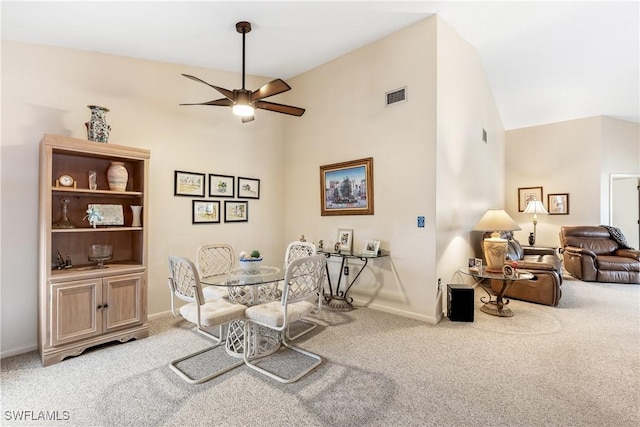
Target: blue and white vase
(97, 127)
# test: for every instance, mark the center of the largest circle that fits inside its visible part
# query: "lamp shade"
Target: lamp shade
(496, 220)
(535, 207)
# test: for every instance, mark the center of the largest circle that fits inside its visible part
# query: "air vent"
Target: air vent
(396, 96)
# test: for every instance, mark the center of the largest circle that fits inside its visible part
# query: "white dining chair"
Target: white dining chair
(297, 250)
(184, 283)
(303, 279)
(215, 260)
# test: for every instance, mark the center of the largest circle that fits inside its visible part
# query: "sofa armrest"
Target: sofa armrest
(628, 253)
(532, 266)
(538, 250)
(572, 250)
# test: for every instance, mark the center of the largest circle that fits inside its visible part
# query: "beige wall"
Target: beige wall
(470, 172)
(46, 90)
(429, 159)
(574, 157)
(426, 159)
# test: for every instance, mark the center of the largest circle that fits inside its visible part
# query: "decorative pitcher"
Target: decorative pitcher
(97, 127)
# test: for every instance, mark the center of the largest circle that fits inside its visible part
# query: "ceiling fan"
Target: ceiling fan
(244, 101)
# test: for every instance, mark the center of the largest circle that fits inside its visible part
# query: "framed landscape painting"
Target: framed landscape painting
(205, 212)
(248, 188)
(188, 184)
(347, 188)
(236, 211)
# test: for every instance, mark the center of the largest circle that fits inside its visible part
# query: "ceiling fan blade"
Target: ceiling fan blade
(223, 102)
(280, 108)
(247, 119)
(225, 92)
(274, 87)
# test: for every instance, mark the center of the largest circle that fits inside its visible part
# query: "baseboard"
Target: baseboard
(19, 350)
(160, 315)
(398, 312)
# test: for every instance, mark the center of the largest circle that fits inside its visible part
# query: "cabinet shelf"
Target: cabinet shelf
(94, 230)
(94, 193)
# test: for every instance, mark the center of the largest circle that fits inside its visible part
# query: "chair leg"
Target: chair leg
(312, 326)
(216, 339)
(248, 361)
(174, 364)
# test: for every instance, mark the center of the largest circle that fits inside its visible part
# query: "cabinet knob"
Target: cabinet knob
(99, 307)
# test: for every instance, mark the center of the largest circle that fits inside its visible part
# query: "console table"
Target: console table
(338, 299)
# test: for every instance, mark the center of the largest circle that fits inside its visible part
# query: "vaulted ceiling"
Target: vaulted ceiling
(546, 61)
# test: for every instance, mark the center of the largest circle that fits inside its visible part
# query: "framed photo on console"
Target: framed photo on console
(345, 239)
(371, 248)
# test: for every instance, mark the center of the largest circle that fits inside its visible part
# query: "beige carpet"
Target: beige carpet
(573, 365)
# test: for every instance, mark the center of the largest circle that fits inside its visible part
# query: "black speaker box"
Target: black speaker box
(460, 303)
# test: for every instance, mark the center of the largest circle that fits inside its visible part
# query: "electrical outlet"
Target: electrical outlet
(346, 271)
(439, 283)
(421, 221)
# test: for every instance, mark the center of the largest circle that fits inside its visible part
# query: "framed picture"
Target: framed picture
(527, 194)
(371, 248)
(188, 184)
(206, 212)
(508, 271)
(248, 188)
(347, 188)
(558, 203)
(108, 214)
(345, 239)
(221, 185)
(236, 211)
(475, 264)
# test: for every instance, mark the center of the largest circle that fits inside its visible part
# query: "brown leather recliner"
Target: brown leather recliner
(592, 254)
(546, 267)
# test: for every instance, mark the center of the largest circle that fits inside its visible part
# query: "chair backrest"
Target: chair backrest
(303, 278)
(596, 239)
(215, 259)
(297, 250)
(184, 280)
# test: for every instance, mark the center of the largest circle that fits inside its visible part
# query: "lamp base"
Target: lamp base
(495, 250)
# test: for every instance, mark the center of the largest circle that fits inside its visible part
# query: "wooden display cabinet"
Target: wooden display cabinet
(80, 305)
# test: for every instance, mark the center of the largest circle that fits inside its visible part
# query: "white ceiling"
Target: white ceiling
(546, 61)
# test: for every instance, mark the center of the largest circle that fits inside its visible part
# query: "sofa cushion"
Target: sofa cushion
(617, 263)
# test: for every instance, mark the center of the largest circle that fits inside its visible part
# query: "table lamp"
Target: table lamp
(534, 207)
(495, 248)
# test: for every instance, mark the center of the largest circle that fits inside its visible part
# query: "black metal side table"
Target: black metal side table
(338, 299)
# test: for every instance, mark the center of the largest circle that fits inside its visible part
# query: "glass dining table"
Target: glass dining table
(250, 287)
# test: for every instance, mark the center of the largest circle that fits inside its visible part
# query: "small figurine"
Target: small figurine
(320, 244)
(302, 239)
(337, 246)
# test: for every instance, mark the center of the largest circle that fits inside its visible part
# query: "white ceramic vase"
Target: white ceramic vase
(118, 176)
(136, 211)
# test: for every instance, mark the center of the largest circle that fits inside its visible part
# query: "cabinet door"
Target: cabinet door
(123, 296)
(75, 311)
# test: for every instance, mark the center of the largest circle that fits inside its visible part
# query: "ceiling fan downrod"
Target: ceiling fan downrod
(243, 27)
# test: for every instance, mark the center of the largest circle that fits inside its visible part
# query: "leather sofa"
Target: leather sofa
(595, 254)
(546, 267)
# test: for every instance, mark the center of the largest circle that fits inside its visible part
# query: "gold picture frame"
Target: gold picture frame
(346, 188)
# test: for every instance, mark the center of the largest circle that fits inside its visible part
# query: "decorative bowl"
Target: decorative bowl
(100, 253)
(250, 264)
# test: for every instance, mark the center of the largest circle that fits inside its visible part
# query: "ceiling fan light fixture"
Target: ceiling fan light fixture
(243, 110)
